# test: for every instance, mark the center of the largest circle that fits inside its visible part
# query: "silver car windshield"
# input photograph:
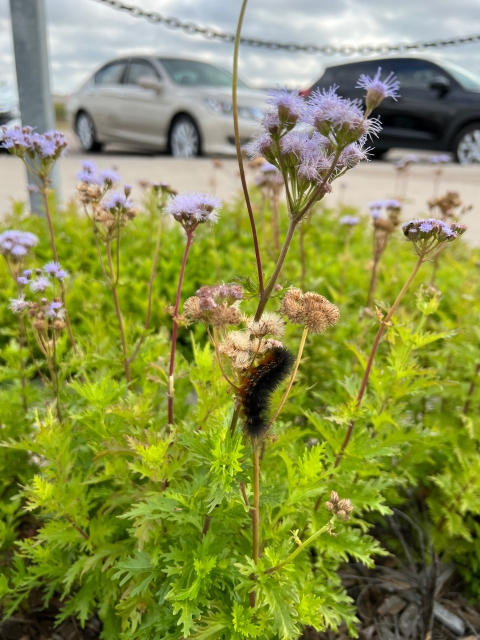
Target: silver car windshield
(192, 73)
(465, 78)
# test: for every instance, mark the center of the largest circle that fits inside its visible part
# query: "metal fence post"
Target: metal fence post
(30, 46)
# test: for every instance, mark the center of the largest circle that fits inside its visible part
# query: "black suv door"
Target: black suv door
(421, 116)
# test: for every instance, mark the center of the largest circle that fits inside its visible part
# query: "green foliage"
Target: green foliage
(112, 509)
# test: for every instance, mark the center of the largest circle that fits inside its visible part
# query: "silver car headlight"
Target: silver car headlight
(220, 107)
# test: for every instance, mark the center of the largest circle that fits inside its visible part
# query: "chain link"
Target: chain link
(326, 49)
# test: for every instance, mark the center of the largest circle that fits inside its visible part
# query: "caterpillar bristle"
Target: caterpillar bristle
(257, 388)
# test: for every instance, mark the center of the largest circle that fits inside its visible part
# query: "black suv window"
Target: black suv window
(345, 76)
(140, 69)
(111, 73)
(414, 74)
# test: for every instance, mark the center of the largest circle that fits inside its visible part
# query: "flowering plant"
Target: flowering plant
(201, 466)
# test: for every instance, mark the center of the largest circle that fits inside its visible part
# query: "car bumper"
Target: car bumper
(218, 136)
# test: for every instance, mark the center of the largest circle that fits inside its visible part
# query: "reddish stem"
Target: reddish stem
(175, 326)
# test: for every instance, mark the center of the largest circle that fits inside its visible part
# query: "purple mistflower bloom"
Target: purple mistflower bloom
(267, 166)
(27, 273)
(55, 311)
(392, 204)
(191, 209)
(89, 166)
(271, 122)
(109, 176)
(426, 227)
(377, 89)
(16, 243)
(18, 251)
(89, 178)
(17, 305)
(62, 274)
(41, 283)
(288, 105)
(352, 155)
(17, 140)
(260, 146)
(22, 280)
(115, 200)
(349, 220)
(44, 146)
(52, 267)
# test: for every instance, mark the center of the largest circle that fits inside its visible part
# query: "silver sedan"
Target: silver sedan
(170, 104)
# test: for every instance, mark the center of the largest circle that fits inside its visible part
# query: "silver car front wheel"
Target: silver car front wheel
(184, 138)
(467, 148)
(86, 133)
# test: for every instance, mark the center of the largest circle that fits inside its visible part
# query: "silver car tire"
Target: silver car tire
(85, 129)
(467, 145)
(184, 139)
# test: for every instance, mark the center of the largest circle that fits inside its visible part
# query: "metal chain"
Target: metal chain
(326, 49)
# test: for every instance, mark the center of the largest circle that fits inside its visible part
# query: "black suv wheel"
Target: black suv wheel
(467, 145)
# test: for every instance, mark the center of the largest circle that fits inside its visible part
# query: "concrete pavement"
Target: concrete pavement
(370, 181)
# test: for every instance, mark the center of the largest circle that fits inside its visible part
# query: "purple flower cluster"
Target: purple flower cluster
(377, 89)
(192, 209)
(377, 206)
(288, 109)
(431, 229)
(350, 221)
(26, 142)
(55, 310)
(18, 305)
(117, 200)
(91, 174)
(15, 245)
(442, 159)
(42, 279)
(211, 296)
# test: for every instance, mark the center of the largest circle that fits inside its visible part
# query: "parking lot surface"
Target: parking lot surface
(369, 181)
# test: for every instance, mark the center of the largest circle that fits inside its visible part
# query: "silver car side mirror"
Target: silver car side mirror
(149, 82)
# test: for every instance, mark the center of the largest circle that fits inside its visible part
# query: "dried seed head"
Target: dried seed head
(310, 309)
(269, 324)
(341, 508)
(217, 305)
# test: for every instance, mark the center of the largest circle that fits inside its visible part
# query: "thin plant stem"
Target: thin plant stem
(300, 548)
(303, 259)
(113, 286)
(150, 293)
(55, 370)
(373, 351)
(235, 416)
(219, 359)
(44, 191)
(292, 377)
(238, 145)
(171, 369)
(466, 406)
(256, 507)
(276, 272)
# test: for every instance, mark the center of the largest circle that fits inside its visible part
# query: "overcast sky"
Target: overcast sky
(83, 34)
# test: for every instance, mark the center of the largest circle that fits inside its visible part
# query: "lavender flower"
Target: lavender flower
(343, 119)
(55, 311)
(22, 280)
(51, 268)
(260, 147)
(378, 90)
(116, 200)
(442, 159)
(288, 106)
(41, 283)
(109, 176)
(192, 209)
(17, 305)
(430, 235)
(349, 220)
(16, 244)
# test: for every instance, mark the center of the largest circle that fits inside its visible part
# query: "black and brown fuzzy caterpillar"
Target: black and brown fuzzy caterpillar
(257, 388)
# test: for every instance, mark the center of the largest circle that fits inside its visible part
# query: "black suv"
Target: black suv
(439, 107)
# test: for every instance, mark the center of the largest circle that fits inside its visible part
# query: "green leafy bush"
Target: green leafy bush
(156, 490)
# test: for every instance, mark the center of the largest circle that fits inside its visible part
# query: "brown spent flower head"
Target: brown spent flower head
(216, 305)
(450, 205)
(310, 309)
(242, 348)
(341, 508)
(269, 324)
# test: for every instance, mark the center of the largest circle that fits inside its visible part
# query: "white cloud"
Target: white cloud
(83, 34)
